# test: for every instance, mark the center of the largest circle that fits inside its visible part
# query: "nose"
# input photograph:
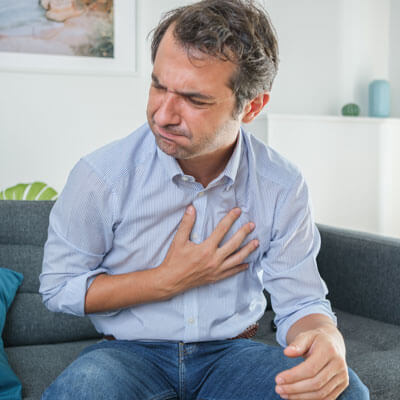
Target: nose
(168, 112)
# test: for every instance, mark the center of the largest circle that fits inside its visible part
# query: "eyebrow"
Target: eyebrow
(197, 95)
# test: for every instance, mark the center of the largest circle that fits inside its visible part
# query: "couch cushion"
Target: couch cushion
(37, 366)
(23, 232)
(30, 322)
(373, 351)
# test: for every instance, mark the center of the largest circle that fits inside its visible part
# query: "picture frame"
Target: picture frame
(123, 62)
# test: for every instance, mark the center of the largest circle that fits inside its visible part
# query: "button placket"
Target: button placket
(190, 298)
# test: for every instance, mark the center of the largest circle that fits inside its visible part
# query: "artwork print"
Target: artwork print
(83, 28)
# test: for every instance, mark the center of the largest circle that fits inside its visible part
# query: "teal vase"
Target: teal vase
(379, 99)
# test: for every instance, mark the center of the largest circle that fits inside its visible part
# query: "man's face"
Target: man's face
(190, 104)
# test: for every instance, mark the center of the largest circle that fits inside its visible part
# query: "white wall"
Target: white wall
(366, 40)
(330, 52)
(309, 73)
(394, 56)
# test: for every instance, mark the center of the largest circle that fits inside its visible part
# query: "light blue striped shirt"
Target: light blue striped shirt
(120, 209)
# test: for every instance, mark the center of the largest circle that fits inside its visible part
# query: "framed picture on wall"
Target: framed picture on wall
(68, 36)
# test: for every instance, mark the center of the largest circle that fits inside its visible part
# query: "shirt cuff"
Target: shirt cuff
(104, 313)
(284, 326)
(73, 299)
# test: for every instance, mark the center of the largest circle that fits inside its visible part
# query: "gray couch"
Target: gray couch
(361, 270)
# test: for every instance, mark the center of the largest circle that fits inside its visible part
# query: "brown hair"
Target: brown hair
(234, 30)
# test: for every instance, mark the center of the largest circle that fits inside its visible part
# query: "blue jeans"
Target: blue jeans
(239, 369)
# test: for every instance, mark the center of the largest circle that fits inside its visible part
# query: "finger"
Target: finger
(337, 392)
(238, 257)
(185, 227)
(236, 240)
(305, 370)
(223, 226)
(310, 385)
(233, 271)
(333, 388)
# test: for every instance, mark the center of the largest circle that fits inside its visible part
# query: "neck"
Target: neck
(207, 167)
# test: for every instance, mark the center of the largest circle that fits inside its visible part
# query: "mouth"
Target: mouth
(166, 135)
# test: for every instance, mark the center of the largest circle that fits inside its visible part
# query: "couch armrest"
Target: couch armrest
(362, 272)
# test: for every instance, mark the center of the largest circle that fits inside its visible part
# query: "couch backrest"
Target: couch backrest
(23, 232)
(362, 272)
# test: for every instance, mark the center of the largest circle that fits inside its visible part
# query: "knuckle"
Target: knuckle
(342, 366)
(330, 351)
(346, 380)
(211, 266)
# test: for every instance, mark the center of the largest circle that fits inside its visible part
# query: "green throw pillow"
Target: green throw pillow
(10, 386)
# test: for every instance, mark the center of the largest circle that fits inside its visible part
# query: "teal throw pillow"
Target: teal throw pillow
(10, 386)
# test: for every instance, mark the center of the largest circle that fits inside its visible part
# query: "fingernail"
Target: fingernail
(189, 210)
(256, 243)
(237, 210)
(280, 381)
(279, 390)
(252, 225)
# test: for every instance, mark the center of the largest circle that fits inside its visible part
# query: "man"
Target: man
(167, 238)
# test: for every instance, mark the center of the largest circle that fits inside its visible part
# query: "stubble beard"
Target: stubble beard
(209, 144)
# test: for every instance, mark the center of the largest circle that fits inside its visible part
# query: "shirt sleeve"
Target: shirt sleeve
(290, 271)
(80, 234)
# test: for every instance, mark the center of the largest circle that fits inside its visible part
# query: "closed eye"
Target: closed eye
(197, 103)
(157, 86)
(193, 98)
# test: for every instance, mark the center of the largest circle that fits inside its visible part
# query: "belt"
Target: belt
(248, 333)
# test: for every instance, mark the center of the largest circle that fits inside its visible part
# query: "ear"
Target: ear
(254, 107)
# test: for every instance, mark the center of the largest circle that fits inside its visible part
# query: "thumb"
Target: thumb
(300, 345)
(186, 225)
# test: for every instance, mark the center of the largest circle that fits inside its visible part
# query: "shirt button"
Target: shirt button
(191, 321)
(185, 178)
(195, 236)
(201, 194)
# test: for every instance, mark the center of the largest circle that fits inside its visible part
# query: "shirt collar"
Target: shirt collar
(232, 167)
(173, 169)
